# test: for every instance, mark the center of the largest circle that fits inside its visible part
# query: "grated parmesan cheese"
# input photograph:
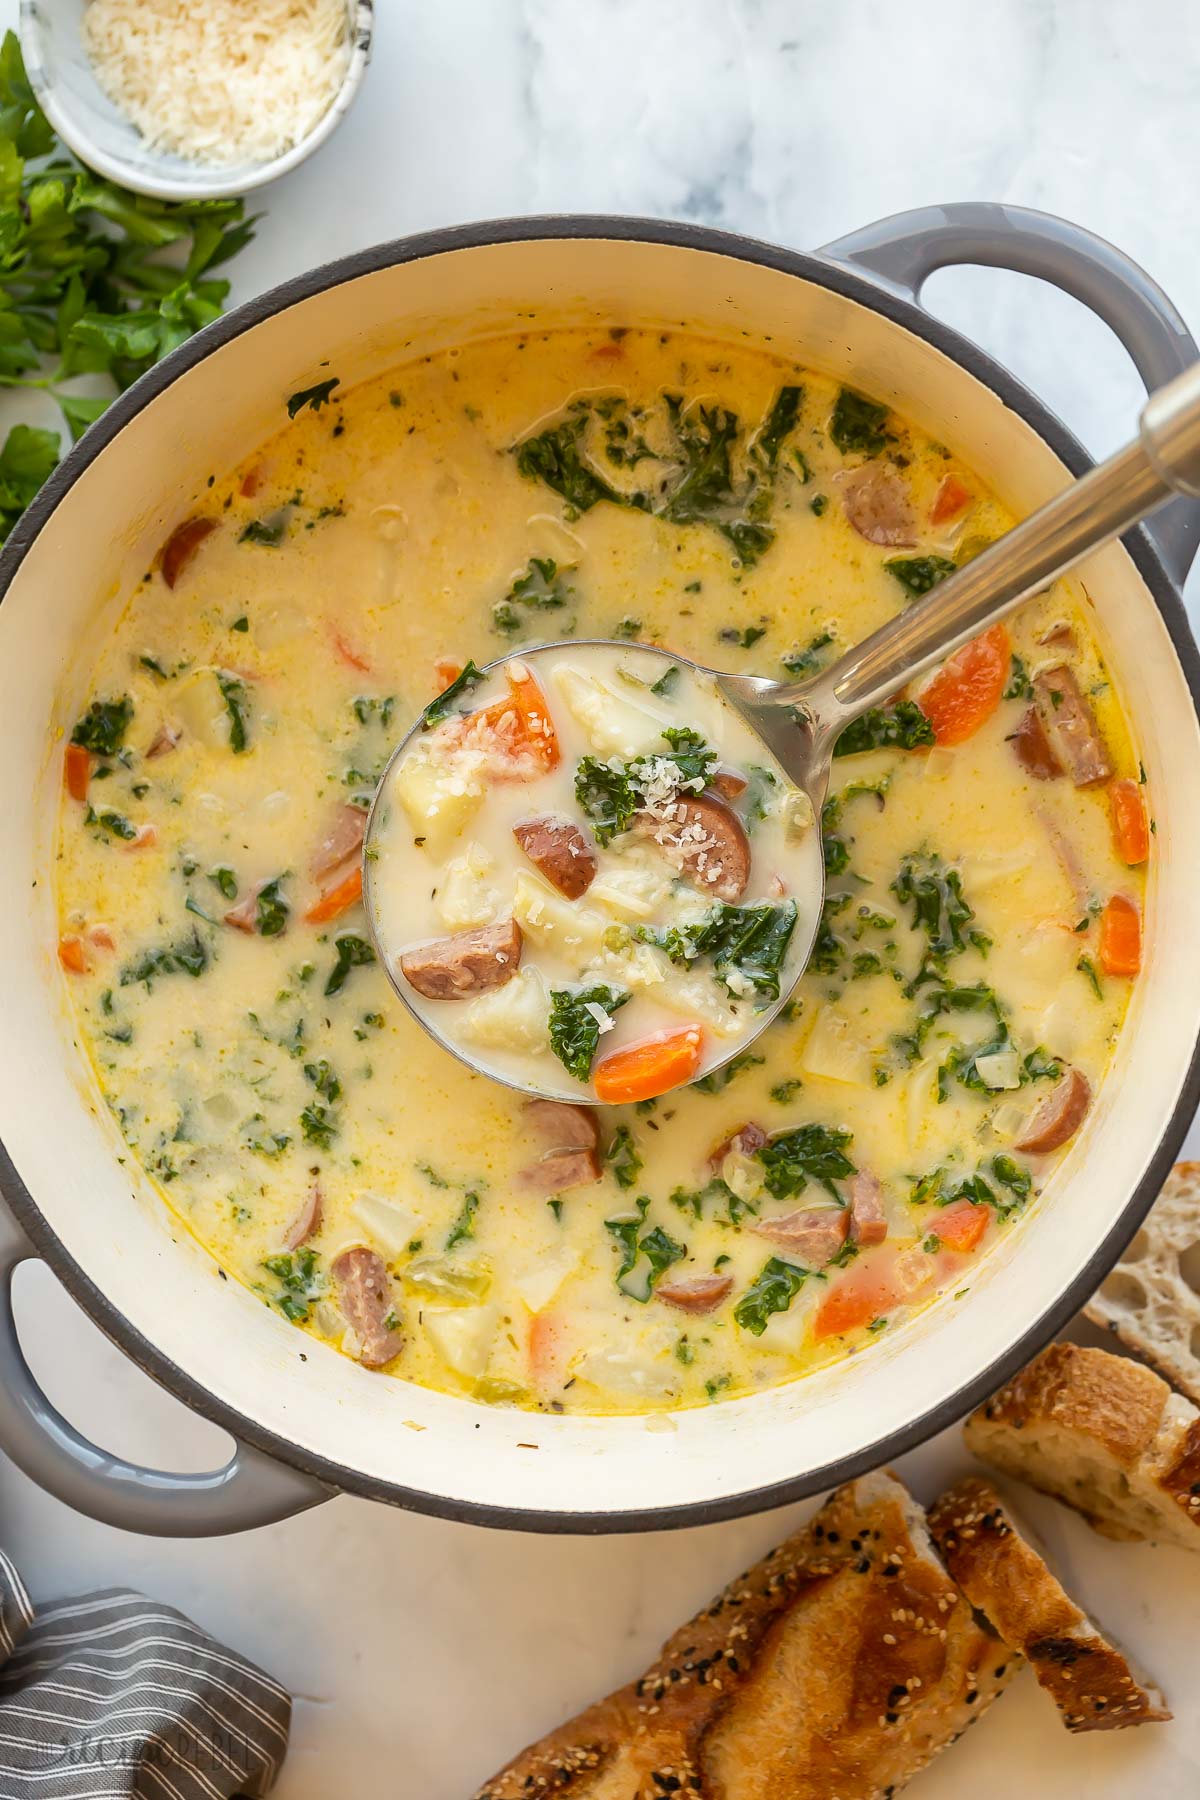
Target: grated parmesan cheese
(220, 81)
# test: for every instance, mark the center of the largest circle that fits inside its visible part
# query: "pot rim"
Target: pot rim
(838, 278)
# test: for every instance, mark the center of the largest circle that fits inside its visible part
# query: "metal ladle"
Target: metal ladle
(800, 721)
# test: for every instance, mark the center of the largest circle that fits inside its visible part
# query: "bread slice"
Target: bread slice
(1102, 1433)
(839, 1665)
(1005, 1578)
(1147, 1299)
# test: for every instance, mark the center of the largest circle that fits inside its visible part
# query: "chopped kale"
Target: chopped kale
(744, 639)
(103, 726)
(317, 396)
(939, 907)
(324, 1080)
(658, 1248)
(696, 1201)
(900, 727)
(300, 1283)
(233, 693)
(1091, 975)
(622, 1159)
(808, 1153)
(778, 424)
(1019, 685)
(773, 1292)
(857, 424)
(607, 797)
(114, 823)
(318, 1124)
(226, 881)
(464, 1225)
(271, 910)
(705, 494)
(369, 706)
(747, 943)
(917, 575)
(666, 682)
(443, 706)
(574, 1027)
(555, 457)
(808, 660)
(717, 1080)
(785, 1091)
(352, 953)
(267, 532)
(540, 588)
(187, 956)
(693, 757)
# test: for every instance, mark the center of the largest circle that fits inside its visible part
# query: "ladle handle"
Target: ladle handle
(1165, 459)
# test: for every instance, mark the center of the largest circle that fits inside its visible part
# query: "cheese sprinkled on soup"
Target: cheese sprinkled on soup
(985, 841)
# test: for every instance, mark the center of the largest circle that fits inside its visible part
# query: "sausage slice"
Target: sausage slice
(1071, 726)
(1033, 749)
(814, 1235)
(166, 738)
(364, 1296)
(876, 503)
(705, 840)
(307, 1221)
(470, 962)
(1059, 1116)
(728, 782)
(560, 850)
(182, 546)
(743, 1142)
(342, 839)
(868, 1220)
(572, 1156)
(696, 1294)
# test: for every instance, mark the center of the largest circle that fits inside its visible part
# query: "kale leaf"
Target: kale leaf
(773, 1292)
(607, 797)
(657, 1247)
(575, 1029)
(300, 1283)
(541, 588)
(808, 1153)
(857, 424)
(103, 726)
(317, 396)
(271, 910)
(443, 706)
(233, 692)
(917, 575)
(464, 1225)
(900, 727)
(555, 457)
(622, 1158)
(352, 953)
(187, 956)
(749, 941)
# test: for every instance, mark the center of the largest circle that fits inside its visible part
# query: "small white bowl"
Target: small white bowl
(103, 138)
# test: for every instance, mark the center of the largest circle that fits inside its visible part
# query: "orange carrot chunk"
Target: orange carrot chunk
(71, 954)
(1131, 828)
(338, 899)
(960, 1225)
(537, 727)
(651, 1066)
(1120, 937)
(863, 1294)
(949, 500)
(77, 771)
(968, 688)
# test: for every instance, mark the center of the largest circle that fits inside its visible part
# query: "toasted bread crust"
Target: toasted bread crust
(1146, 1299)
(1009, 1582)
(1116, 1402)
(840, 1664)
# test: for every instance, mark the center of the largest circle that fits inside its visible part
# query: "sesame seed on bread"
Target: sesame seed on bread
(1005, 1578)
(1103, 1434)
(1147, 1299)
(839, 1665)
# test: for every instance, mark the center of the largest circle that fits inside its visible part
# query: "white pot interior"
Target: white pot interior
(66, 1148)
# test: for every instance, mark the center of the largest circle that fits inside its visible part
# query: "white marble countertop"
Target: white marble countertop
(423, 1653)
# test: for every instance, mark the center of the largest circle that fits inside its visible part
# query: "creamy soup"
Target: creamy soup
(984, 839)
(621, 864)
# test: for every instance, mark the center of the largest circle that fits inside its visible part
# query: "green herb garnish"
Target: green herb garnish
(574, 1027)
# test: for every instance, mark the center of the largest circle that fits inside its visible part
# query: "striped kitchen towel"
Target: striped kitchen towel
(116, 1697)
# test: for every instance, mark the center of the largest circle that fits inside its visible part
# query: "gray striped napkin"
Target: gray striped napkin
(116, 1697)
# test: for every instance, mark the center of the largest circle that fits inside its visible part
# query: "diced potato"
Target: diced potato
(462, 1336)
(699, 997)
(632, 965)
(447, 1279)
(512, 1017)
(439, 799)
(1002, 1069)
(835, 1052)
(796, 810)
(615, 725)
(537, 1282)
(199, 705)
(389, 1225)
(465, 897)
(575, 931)
(633, 888)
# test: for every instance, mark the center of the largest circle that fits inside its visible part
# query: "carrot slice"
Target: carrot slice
(537, 727)
(71, 954)
(862, 1294)
(651, 1066)
(338, 899)
(77, 771)
(346, 652)
(949, 500)
(447, 672)
(1131, 828)
(968, 688)
(961, 1224)
(1120, 937)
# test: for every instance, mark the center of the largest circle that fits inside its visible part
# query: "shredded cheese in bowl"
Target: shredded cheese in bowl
(220, 81)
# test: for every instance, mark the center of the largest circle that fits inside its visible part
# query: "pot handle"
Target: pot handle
(250, 1490)
(903, 251)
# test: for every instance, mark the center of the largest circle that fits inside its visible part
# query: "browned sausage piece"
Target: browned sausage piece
(559, 849)
(182, 546)
(244, 916)
(1059, 1116)
(1033, 749)
(727, 782)
(307, 1221)
(743, 1142)
(1071, 726)
(364, 1295)
(705, 840)
(876, 502)
(572, 1157)
(470, 962)
(165, 738)
(868, 1220)
(343, 838)
(697, 1294)
(813, 1235)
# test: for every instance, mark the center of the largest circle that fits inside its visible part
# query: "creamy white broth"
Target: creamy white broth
(444, 858)
(387, 533)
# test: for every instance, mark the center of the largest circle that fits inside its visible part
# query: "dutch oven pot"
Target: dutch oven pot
(308, 1425)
